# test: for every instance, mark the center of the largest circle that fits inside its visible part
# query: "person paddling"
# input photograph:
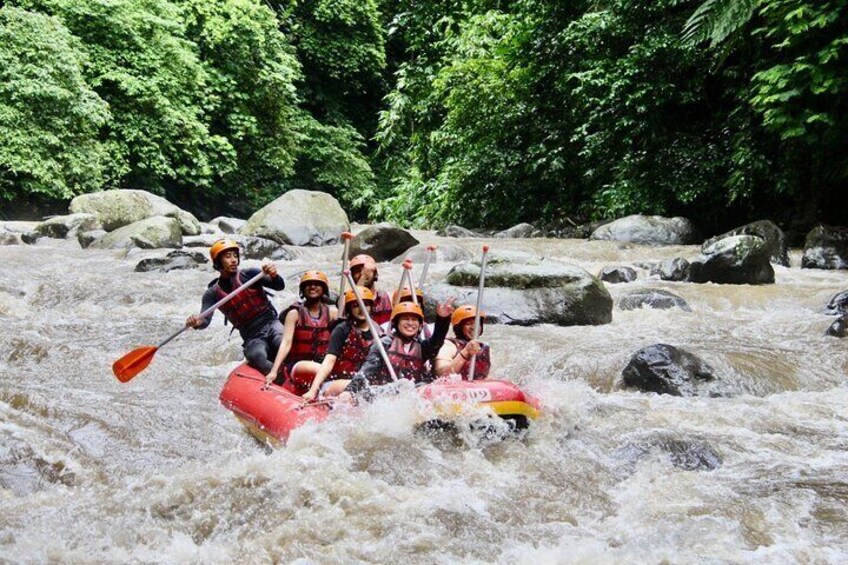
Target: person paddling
(454, 357)
(306, 331)
(407, 351)
(363, 269)
(349, 346)
(251, 312)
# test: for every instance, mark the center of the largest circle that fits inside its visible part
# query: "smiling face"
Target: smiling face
(408, 325)
(228, 262)
(312, 290)
(466, 329)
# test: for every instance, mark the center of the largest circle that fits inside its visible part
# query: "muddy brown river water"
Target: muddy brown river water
(156, 471)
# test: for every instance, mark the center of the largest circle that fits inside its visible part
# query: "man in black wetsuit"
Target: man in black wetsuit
(250, 312)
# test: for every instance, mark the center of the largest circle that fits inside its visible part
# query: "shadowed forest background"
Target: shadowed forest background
(482, 113)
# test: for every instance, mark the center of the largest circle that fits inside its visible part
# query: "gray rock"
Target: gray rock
(299, 217)
(648, 230)
(838, 305)
(740, 259)
(666, 369)
(382, 241)
(86, 238)
(826, 248)
(444, 254)
(173, 261)
(653, 298)
(839, 328)
(151, 233)
(615, 275)
(203, 240)
(684, 453)
(520, 230)
(457, 231)
(228, 225)
(671, 269)
(8, 238)
(773, 236)
(64, 227)
(538, 273)
(30, 237)
(118, 208)
(261, 248)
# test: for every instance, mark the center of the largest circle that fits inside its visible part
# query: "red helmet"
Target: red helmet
(315, 276)
(402, 308)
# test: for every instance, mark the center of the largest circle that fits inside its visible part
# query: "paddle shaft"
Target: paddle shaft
(476, 332)
(430, 250)
(211, 309)
(375, 331)
(345, 254)
(407, 273)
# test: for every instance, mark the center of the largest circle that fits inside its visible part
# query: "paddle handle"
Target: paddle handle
(407, 274)
(375, 331)
(476, 333)
(211, 309)
(346, 236)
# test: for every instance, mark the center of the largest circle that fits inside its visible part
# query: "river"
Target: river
(156, 470)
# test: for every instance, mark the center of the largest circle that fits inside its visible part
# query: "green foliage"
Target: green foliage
(49, 118)
(716, 20)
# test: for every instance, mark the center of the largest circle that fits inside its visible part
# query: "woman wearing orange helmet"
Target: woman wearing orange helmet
(250, 312)
(306, 331)
(350, 343)
(363, 269)
(406, 296)
(408, 352)
(455, 355)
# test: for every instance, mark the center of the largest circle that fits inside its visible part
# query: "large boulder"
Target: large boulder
(648, 230)
(615, 275)
(542, 292)
(520, 230)
(666, 369)
(173, 261)
(838, 305)
(826, 248)
(228, 225)
(119, 208)
(300, 217)
(671, 269)
(740, 259)
(457, 231)
(63, 227)
(382, 241)
(151, 233)
(773, 236)
(653, 298)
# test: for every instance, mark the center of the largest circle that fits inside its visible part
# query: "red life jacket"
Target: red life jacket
(352, 356)
(311, 336)
(481, 365)
(245, 307)
(407, 365)
(381, 312)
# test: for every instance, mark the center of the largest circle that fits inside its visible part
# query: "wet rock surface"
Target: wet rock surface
(616, 275)
(151, 233)
(653, 298)
(173, 261)
(839, 328)
(457, 231)
(740, 259)
(300, 217)
(837, 305)
(520, 230)
(826, 247)
(666, 369)
(648, 230)
(671, 269)
(117, 208)
(773, 237)
(383, 242)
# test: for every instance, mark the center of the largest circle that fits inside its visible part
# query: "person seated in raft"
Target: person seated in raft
(406, 296)
(408, 352)
(363, 269)
(454, 358)
(306, 329)
(350, 343)
(250, 312)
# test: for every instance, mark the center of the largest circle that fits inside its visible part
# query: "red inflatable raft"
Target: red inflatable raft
(271, 413)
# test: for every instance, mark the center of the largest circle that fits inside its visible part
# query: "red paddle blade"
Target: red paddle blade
(133, 363)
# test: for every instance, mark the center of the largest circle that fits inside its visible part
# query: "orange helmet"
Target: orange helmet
(463, 313)
(362, 260)
(220, 246)
(315, 276)
(406, 295)
(402, 308)
(365, 293)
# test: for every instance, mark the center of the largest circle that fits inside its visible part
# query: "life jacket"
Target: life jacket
(381, 312)
(481, 365)
(247, 306)
(353, 354)
(311, 336)
(407, 365)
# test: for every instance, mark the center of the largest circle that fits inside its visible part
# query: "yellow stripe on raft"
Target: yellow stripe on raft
(258, 432)
(513, 408)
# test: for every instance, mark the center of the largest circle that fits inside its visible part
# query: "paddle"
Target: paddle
(406, 266)
(430, 250)
(346, 236)
(477, 314)
(407, 273)
(138, 359)
(375, 331)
